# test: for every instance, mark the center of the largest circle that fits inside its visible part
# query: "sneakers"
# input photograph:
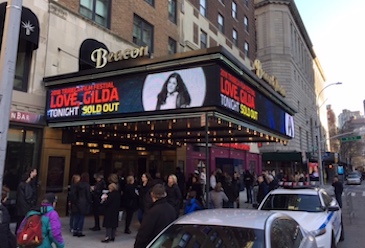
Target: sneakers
(127, 231)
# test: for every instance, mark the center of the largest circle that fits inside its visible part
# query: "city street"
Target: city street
(353, 224)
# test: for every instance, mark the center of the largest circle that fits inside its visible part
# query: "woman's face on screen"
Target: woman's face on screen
(171, 85)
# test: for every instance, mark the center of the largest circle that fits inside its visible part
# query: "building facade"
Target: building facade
(67, 30)
(286, 52)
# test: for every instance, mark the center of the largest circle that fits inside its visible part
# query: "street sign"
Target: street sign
(353, 138)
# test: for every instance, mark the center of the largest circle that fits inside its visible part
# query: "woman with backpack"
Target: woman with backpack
(45, 226)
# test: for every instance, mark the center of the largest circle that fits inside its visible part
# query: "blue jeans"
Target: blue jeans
(140, 215)
(78, 222)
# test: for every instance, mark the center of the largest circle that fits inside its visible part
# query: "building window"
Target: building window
(221, 23)
(23, 62)
(203, 7)
(172, 11)
(234, 36)
(234, 10)
(96, 10)
(246, 49)
(172, 46)
(246, 3)
(245, 23)
(203, 39)
(142, 33)
(151, 2)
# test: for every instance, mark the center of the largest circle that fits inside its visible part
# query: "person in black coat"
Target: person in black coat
(160, 215)
(231, 191)
(144, 190)
(81, 203)
(248, 180)
(262, 189)
(337, 185)
(111, 203)
(96, 192)
(131, 202)
(174, 196)
(26, 195)
(72, 200)
(197, 187)
(7, 238)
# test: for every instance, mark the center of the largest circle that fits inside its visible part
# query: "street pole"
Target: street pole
(9, 49)
(320, 169)
(319, 135)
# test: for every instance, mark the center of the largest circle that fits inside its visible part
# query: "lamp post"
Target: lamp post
(7, 72)
(319, 145)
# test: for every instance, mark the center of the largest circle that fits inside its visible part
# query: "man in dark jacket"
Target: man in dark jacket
(248, 180)
(26, 195)
(337, 185)
(160, 215)
(263, 189)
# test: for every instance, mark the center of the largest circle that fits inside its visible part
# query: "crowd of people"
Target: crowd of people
(156, 201)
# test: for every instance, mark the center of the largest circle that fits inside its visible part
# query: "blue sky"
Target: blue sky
(336, 29)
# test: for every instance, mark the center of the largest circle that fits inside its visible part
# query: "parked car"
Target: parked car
(313, 208)
(354, 178)
(234, 228)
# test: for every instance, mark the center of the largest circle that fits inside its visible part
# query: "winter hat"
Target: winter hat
(50, 198)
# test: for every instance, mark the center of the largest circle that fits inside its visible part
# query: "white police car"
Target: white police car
(313, 208)
(234, 228)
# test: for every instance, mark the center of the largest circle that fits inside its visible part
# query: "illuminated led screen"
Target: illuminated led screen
(177, 89)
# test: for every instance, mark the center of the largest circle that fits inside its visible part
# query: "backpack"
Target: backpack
(31, 234)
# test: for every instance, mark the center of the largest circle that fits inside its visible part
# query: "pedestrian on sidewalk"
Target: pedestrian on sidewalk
(72, 200)
(96, 192)
(51, 223)
(248, 180)
(131, 202)
(160, 215)
(337, 185)
(7, 238)
(26, 195)
(174, 196)
(111, 203)
(82, 204)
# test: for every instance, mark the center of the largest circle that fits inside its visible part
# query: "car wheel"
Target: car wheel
(333, 242)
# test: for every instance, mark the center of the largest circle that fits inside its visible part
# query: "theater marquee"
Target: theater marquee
(203, 86)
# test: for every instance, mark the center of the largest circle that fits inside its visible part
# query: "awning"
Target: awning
(284, 156)
(29, 25)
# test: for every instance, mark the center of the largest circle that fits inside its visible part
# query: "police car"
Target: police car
(313, 208)
(234, 228)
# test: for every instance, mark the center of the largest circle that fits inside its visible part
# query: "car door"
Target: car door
(336, 219)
